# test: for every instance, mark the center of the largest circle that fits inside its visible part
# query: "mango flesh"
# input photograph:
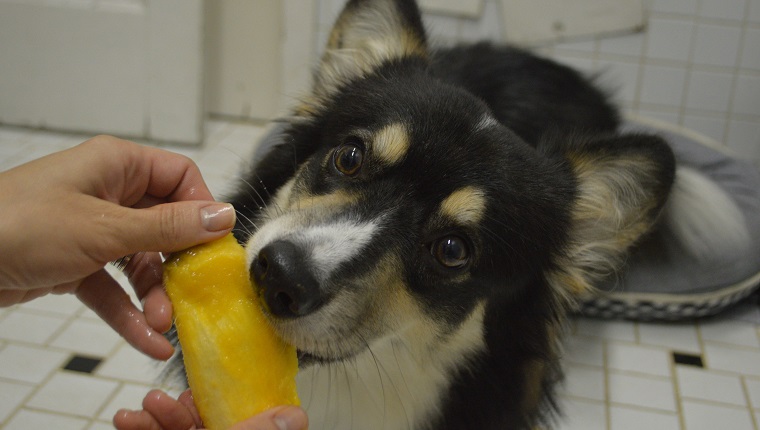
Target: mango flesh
(236, 365)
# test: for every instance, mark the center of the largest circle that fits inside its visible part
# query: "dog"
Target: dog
(426, 218)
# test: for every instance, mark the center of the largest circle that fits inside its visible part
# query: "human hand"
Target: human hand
(162, 412)
(66, 215)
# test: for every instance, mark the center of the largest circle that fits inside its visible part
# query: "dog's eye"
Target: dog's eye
(451, 252)
(348, 158)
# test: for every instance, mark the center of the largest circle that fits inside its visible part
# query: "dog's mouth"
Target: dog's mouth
(306, 359)
(309, 358)
(328, 336)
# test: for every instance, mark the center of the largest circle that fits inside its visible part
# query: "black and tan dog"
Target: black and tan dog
(426, 218)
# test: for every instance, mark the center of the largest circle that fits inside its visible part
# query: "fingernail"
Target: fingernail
(218, 217)
(290, 418)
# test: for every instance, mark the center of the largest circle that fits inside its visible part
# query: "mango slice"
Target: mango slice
(236, 365)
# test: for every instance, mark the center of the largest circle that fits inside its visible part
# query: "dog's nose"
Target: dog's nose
(288, 284)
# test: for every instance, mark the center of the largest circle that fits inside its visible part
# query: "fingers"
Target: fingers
(173, 226)
(105, 297)
(170, 413)
(158, 309)
(16, 296)
(162, 412)
(142, 170)
(136, 420)
(187, 400)
(145, 273)
(279, 418)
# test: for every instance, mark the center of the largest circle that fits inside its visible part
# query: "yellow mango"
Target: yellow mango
(236, 365)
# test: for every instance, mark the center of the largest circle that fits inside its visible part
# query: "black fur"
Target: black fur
(530, 94)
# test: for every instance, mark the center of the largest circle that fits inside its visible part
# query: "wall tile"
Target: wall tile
(723, 9)
(27, 420)
(663, 85)
(63, 304)
(651, 393)
(56, 394)
(29, 364)
(700, 384)
(630, 44)
(101, 426)
(729, 332)
(753, 389)
(127, 364)
(622, 418)
(584, 350)
(12, 394)
(128, 396)
(88, 337)
(639, 359)
(586, 382)
(709, 91)
(750, 55)
(25, 326)
(747, 95)
(735, 360)
(669, 39)
(754, 11)
(704, 416)
(582, 415)
(716, 45)
(744, 138)
(686, 7)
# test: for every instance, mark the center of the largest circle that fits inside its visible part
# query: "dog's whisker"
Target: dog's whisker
(344, 364)
(250, 222)
(260, 202)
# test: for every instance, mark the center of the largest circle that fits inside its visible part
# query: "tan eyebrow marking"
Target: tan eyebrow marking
(465, 205)
(391, 144)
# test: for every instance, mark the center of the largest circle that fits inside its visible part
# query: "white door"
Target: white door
(127, 67)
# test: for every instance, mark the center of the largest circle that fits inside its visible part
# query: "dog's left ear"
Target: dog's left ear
(623, 183)
(367, 34)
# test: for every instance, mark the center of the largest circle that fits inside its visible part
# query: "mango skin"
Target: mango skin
(236, 365)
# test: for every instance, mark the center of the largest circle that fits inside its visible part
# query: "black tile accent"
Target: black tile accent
(688, 359)
(82, 364)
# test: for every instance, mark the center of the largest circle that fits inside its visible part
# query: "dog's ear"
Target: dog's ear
(367, 34)
(623, 183)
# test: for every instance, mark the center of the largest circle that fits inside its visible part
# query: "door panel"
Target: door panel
(131, 68)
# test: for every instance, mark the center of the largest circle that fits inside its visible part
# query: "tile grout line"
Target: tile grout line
(689, 69)
(748, 399)
(607, 400)
(677, 393)
(95, 416)
(737, 71)
(33, 392)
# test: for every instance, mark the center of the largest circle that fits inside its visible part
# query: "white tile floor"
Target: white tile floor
(620, 375)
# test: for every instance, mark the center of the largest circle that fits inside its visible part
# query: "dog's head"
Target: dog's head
(398, 203)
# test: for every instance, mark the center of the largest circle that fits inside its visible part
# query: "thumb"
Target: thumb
(175, 226)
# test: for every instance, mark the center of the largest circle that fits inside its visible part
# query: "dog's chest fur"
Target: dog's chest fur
(397, 383)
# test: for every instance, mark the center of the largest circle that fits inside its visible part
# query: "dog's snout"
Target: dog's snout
(289, 287)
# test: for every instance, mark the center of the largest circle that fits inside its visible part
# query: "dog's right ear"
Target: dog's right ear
(622, 183)
(367, 34)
